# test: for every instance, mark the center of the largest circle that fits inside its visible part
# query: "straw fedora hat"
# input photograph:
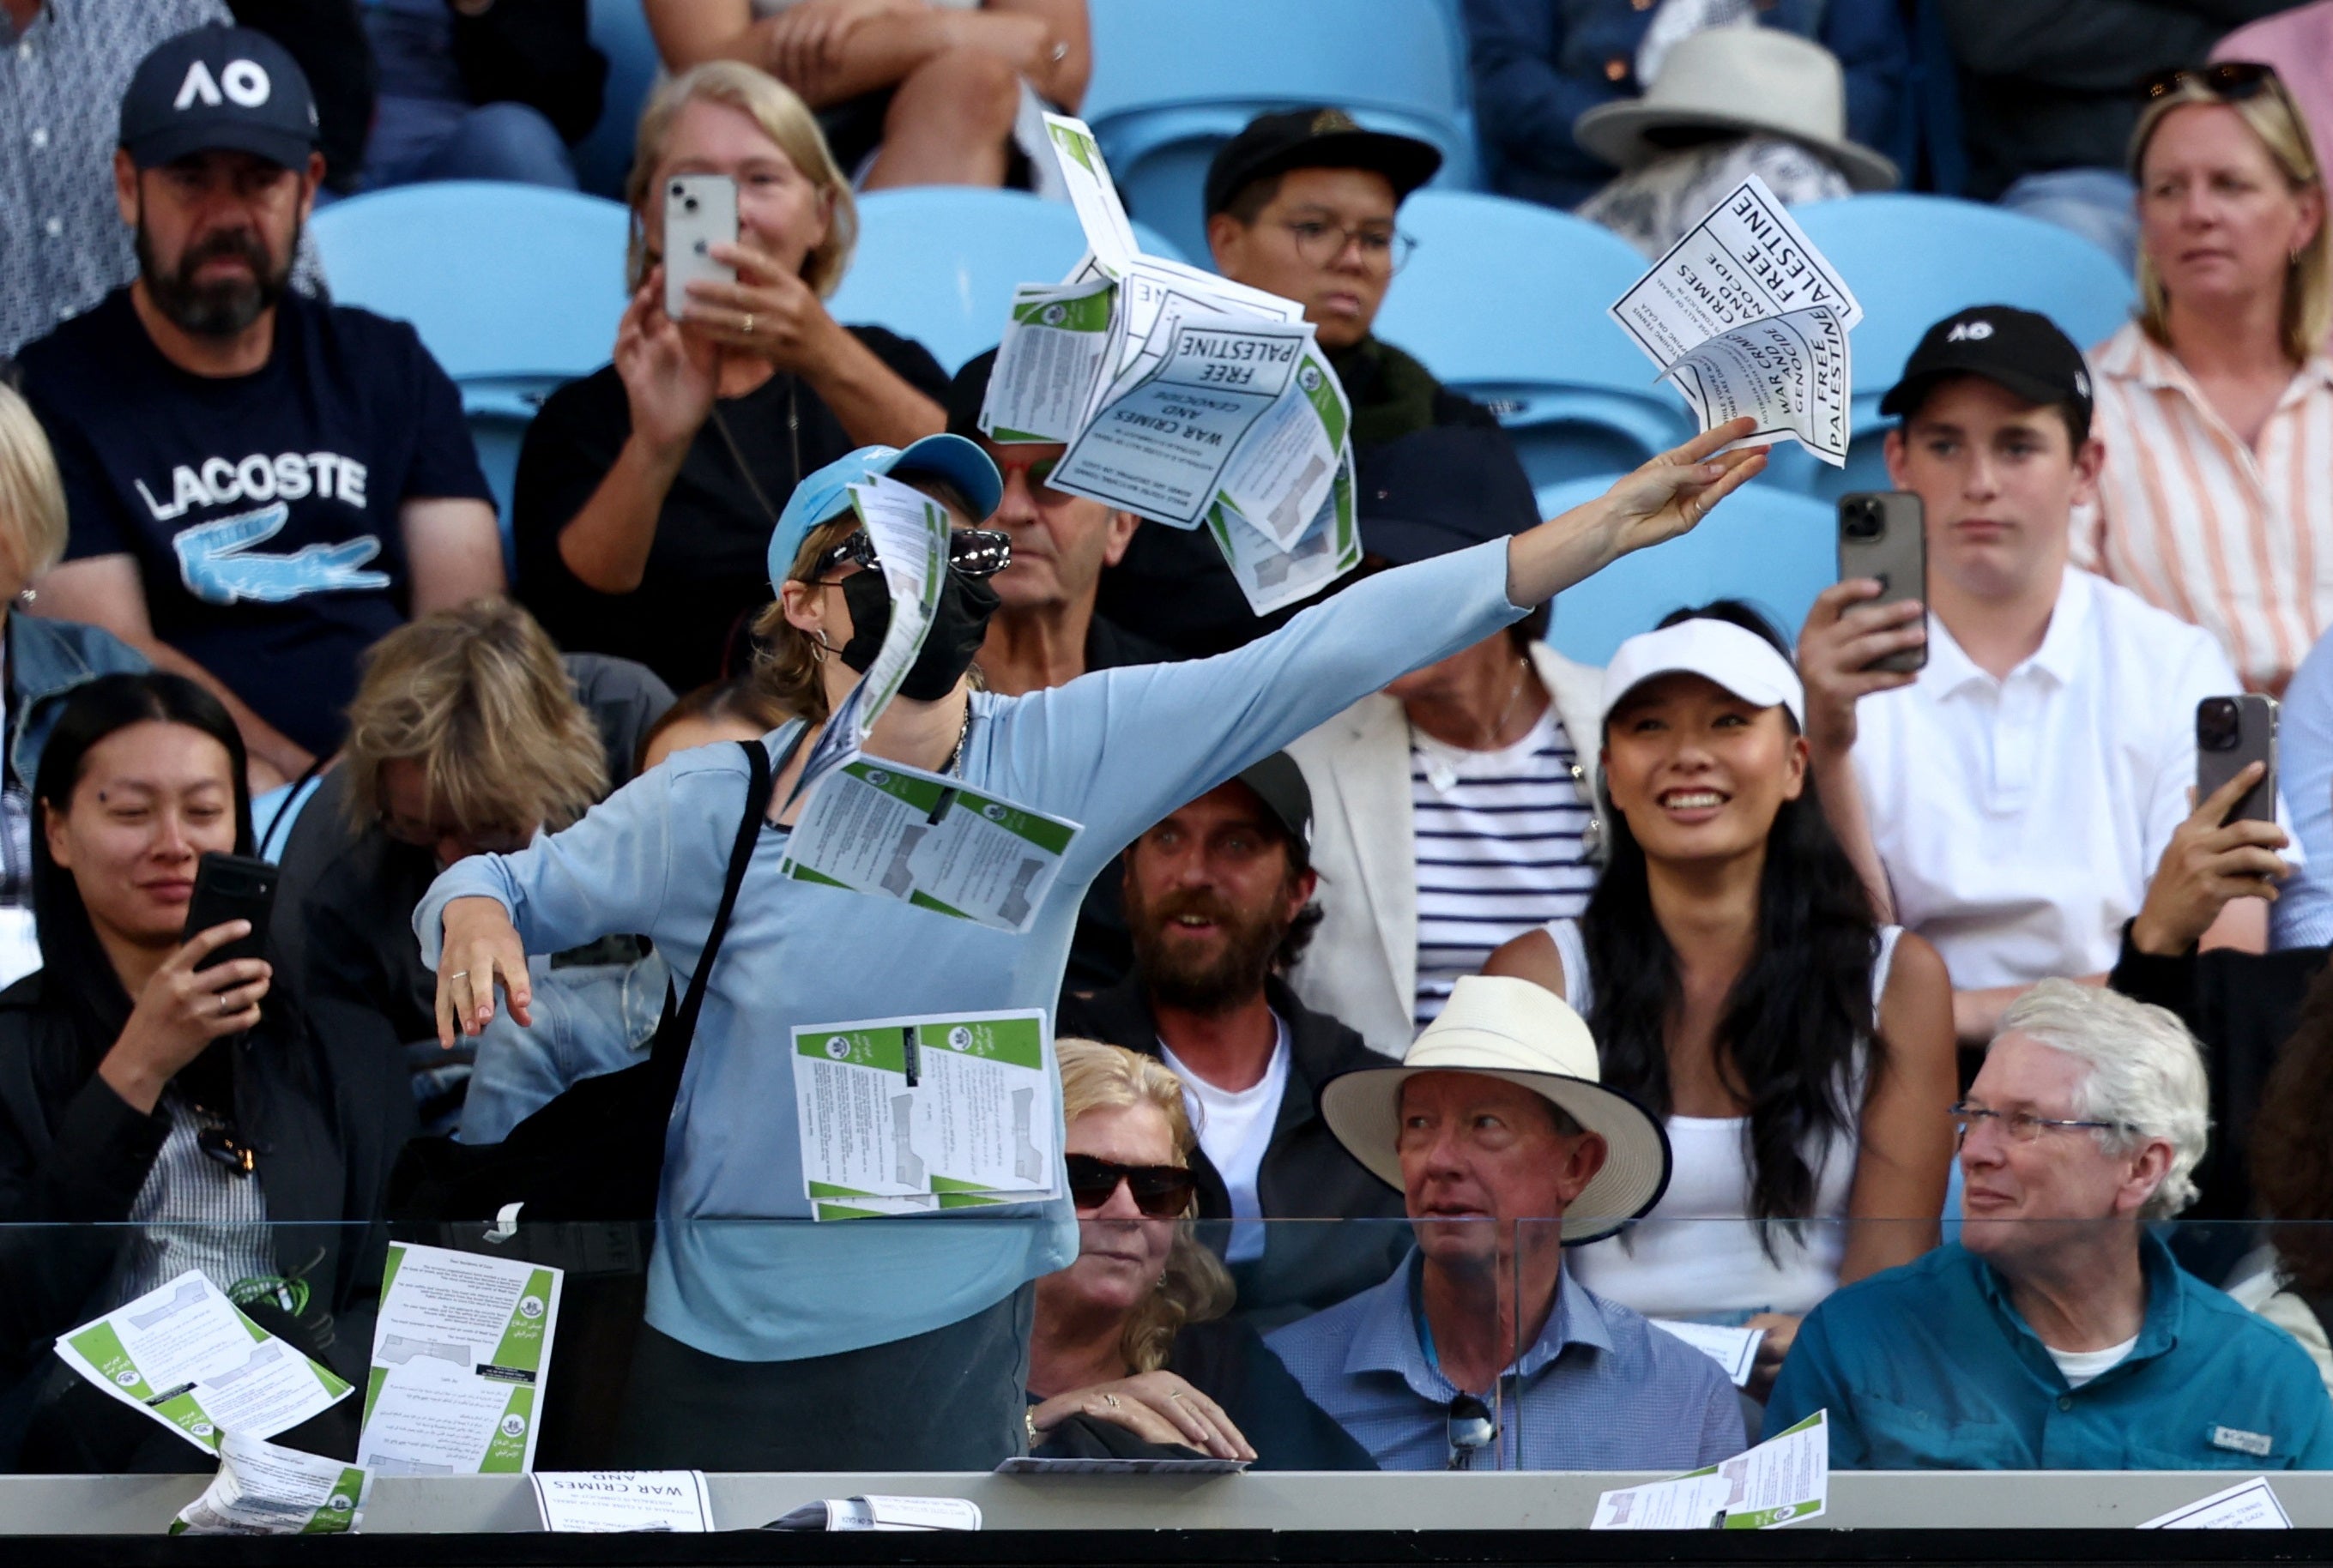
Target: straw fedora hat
(1509, 1029)
(1756, 80)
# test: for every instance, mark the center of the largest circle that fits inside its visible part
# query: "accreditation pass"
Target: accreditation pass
(926, 1115)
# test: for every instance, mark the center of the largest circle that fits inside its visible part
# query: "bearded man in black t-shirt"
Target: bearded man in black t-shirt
(260, 486)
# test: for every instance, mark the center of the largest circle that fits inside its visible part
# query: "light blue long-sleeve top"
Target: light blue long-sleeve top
(1114, 750)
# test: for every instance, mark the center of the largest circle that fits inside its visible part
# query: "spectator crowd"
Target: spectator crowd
(1439, 1022)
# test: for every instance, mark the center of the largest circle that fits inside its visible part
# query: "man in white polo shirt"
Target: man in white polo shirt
(2019, 790)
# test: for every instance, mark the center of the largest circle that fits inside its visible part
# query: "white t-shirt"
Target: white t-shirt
(1235, 1130)
(2080, 1366)
(2019, 819)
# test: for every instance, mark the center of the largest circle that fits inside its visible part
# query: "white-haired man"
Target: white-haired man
(2058, 1335)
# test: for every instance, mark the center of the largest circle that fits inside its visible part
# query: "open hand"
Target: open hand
(1674, 490)
(481, 949)
(1157, 1407)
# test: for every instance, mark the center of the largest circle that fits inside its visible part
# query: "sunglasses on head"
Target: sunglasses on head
(974, 551)
(2232, 80)
(1160, 1192)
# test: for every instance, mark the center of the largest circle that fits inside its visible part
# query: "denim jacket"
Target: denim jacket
(47, 662)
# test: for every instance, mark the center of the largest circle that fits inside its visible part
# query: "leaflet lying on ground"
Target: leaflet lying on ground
(1734, 1349)
(1782, 1480)
(1177, 392)
(2246, 1505)
(599, 1502)
(926, 1116)
(1746, 316)
(882, 827)
(262, 1489)
(873, 1513)
(460, 1351)
(187, 1357)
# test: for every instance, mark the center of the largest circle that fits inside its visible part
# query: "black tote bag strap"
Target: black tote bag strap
(672, 1042)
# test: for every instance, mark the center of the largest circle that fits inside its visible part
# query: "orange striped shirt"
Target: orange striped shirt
(2236, 539)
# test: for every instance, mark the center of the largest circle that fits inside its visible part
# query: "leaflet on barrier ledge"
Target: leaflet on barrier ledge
(461, 1352)
(1784, 1480)
(185, 1356)
(926, 1116)
(262, 1489)
(1745, 316)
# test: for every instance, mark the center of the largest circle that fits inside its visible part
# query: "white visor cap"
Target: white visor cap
(1732, 657)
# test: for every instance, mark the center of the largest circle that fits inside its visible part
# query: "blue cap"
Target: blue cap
(826, 494)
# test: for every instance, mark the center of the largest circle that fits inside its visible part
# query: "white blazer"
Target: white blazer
(1361, 966)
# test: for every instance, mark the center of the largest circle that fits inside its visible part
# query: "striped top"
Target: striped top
(2237, 540)
(1499, 854)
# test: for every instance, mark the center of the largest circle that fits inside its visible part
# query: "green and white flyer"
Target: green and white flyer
(460, 1351)
(926, 1116)
(1784, 1480)
(185, 1356)
(262, 1489)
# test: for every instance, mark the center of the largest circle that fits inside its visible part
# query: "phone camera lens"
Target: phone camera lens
(689, 205)
(2216, 728)
(1864, 520)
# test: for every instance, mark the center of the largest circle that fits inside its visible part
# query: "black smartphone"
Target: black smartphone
(1884, 534)
(2231, 734)
(232, 887)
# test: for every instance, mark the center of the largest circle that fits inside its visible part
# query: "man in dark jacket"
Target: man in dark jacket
(1217, 898)
(1302, 205)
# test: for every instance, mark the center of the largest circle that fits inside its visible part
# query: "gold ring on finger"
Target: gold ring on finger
(227, 1006)
(459, 974)
(1110, 1399)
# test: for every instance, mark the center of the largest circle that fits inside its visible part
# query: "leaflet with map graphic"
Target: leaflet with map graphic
(1784, 1480)
(926, 1115)
(1745, 316)
(262, 1489)
(460, 1351)
(184, 1355)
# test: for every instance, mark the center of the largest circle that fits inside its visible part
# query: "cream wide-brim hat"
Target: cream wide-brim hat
(1509, 1028)
(1756, 80)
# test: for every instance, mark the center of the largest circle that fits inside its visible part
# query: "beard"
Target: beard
(218, 309)
(1209, 980)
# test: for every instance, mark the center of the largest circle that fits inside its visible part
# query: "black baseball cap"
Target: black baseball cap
(218, 89)
(2021, 350)
(1315, 138)
(1280, 784)
(1445, 488)
(966, 392)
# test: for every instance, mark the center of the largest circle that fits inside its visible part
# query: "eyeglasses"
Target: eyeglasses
(1472, 1428)
(1383, 248)
(2231, 80)
(974, 551)
(1038, 471)
(1160, 1192)
(492, 839)
(222, 1145)
(2022, 1126)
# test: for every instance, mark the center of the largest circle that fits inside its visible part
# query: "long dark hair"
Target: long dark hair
(76, 970)
(2292, 1146)
(1795, 1016)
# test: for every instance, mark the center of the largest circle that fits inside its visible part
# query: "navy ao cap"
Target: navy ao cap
(2020, 350)
(218, 89)
(1316, 137)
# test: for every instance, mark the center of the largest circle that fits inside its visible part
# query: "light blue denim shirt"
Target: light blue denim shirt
(2302, 914)
(1600, 1390)
(1114, 750)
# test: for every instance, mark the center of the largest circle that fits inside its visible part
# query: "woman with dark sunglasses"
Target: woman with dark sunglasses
(1132, 1335)
(157, 1115)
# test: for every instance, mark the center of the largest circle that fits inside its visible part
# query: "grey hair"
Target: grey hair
(2145, 1071)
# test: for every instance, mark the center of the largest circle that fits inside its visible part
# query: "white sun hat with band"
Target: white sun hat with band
(1719, 652)
(1504, 1028)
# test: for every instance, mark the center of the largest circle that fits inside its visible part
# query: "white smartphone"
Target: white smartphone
(700, 211)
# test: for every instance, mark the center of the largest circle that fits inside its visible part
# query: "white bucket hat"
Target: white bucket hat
(1504, 1028)
(1757, 81)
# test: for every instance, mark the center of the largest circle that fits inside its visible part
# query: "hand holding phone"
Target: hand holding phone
(700, 211)
(1884, 535)
(231, 887)
(2231, 734)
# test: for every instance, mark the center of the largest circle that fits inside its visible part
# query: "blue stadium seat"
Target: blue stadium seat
(1764, 545)
(1505, 302)
(620, 32)
(1173, 81)
(515, 288)
(938, 263)
(1913, 260)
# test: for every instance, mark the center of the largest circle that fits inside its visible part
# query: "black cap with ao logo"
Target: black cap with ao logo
(218, 89)
(1315, 138)
(2017, 350)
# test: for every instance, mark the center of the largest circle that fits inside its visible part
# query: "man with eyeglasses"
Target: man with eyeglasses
(2058, 1334)
(1302, 204)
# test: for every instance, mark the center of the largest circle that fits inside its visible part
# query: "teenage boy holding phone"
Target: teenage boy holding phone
(2010, 800)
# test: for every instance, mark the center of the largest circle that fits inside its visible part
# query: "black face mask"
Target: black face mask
(959, 626)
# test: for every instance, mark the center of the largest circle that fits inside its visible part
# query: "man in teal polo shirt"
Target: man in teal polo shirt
(2058, 1335)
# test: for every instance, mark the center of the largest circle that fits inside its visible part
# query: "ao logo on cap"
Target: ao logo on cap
(243, 81)
(1969, 332)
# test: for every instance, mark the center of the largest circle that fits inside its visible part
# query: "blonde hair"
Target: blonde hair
(479, 698)
(1194, 1287)
(2283, 132)
(786, 119)
(32, 495)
